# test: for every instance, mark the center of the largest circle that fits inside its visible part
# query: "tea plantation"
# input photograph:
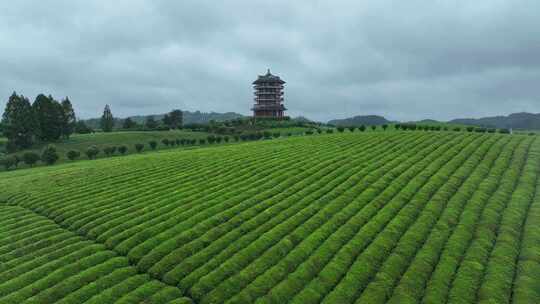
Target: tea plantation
(378, 217)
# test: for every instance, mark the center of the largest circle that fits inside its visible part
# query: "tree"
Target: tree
(92, 152)
(122, 149)
(128, 124)
(165, 141)
(153, 144)
(30, 158)
(18, 123)
(139, 147)
(352, 128)
(73, 154)
(107, 120)
(151, 123)
(340, 129)
(385, 126)
(49, 116)
(374, 127)
(202, 141)
(173, 119)
(68, 118)
(49, 155)
(82, 128)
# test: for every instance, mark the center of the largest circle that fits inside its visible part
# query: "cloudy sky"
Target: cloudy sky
(405, 60)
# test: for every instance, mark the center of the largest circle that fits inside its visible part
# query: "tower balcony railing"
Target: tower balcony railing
(279, 99)
(258, 86)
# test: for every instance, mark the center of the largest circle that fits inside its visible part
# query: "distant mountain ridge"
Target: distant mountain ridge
(523, 120)
(370, 120)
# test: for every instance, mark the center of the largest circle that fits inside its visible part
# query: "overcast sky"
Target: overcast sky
(405, 60)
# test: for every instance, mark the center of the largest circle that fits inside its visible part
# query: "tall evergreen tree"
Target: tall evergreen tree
(18, 123)
(107, 120)
(68, 118)
(48, 114)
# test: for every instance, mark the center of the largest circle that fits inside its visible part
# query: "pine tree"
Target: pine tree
(18, 123)
(48, 114)
(107, 120)
(68, 118)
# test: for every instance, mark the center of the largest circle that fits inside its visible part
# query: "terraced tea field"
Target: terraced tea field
(378, 217)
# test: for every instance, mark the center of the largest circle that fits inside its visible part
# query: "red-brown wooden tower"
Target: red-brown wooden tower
(268, 97)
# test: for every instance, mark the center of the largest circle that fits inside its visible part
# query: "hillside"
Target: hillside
(367, 120)
(523, 121)
(189, 118)
(375, 217)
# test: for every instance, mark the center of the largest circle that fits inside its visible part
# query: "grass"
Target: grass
(373, 217)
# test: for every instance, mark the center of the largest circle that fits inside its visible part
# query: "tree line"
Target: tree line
(44, 120)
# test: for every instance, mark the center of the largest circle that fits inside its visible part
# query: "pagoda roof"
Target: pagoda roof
(268, 78)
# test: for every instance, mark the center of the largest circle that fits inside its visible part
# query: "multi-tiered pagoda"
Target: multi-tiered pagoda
(268, 97)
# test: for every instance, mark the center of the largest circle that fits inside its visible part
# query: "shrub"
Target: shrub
(309, 132)
(532, 134)
(289, 134)
(178, 142)
(362, 128)
(491, 130)
(202, 141)
(385, 126)
(329, 131)
(122, 149)
(165, 141)
(73, 154)
(340, 129)
(480, 130)
(397, 126)
(373, 127)
(470, 129)
(226, 139)
(92, 152)
(8, 161)
(30, 158)
(153, 144)
(219, 139)
(319, 131)
(267, 135)
(457, 129)
(276, 134)
(211, 139)
(139, 147)
(109, 150)
(49, 155)
(236, 138)
(352, 128)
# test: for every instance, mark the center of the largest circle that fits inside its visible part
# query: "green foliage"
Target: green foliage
(139, 147)
(82, 128)
(174, 119)
(109, 150)
(18, 123)
(151, 123)
(123, 149)
(8, 162)
(153, 144)
(128, 123)
(73, 154)
(30, 158)
(49, 155)
(107, 120)
(92, 152)
(362, 128)
(340, 129)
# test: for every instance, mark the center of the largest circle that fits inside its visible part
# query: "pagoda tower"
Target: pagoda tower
(268, 97)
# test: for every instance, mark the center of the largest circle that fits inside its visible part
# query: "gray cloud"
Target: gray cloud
(401, 59)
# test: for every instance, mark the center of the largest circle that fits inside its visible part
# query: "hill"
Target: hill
(376, 217)
(367, 120)
(523, 121)
(189, 118)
